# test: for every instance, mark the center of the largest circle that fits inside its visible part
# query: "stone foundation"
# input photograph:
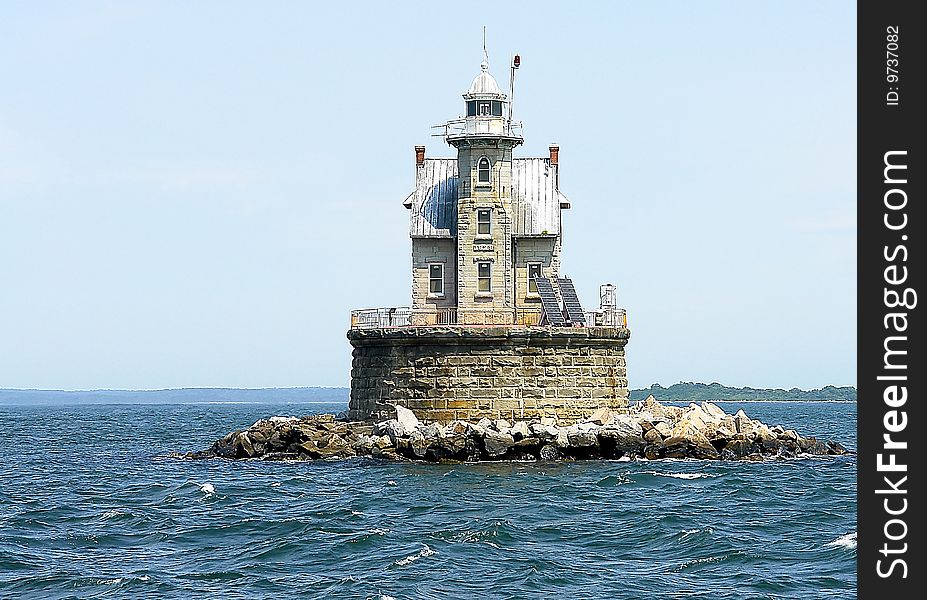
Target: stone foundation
(467, 373)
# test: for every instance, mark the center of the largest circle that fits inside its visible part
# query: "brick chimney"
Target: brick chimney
(554, 154)
(419, 155)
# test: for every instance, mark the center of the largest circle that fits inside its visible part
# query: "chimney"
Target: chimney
(554, 154)
(419, 155)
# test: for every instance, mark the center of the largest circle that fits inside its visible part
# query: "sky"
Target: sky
(197, 194)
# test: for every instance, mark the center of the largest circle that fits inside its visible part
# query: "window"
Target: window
(483, 170)
(484, 222)
(471, 108)
(497, 108)
(484, 109)
(436, 279)
(484, 277)
(534, 270)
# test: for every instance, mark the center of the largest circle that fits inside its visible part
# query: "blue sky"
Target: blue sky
(196, 194)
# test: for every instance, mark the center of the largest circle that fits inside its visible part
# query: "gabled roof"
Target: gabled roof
(536, 198)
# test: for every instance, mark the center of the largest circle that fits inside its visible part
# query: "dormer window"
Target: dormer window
(483, 171)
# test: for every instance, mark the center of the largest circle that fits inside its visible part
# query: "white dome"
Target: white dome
(484, 83)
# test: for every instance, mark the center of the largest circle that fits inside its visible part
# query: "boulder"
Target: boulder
(549, 421)
(653, 436)
(432, 432)
(714, 410)
(502, 425)
(418, 443)
(743, 423)
(580, 437)
(520, 430)
(626, 425)
(457, 428)
(550, 452)
(545, 433)
(485, 423)
(406, 419)
(497, 443)
(600, 416)
(736, 449)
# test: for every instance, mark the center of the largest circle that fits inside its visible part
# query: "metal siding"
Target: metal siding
(535, 197)
(434, 202)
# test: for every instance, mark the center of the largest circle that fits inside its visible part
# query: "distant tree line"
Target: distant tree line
(688, 391)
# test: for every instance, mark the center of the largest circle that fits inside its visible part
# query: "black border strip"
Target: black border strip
(891, 268)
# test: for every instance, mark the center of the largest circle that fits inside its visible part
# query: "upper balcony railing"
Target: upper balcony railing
(479, 126)
(403, 316)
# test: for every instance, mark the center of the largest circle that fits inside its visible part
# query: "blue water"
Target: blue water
(91, 507)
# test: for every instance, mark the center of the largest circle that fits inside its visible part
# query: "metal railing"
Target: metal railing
(403, 316)
(479, 126)
(372, 318)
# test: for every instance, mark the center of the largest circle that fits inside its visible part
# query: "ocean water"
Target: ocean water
(92, 507)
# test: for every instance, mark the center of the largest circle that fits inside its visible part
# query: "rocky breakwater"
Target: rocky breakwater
(646, 430)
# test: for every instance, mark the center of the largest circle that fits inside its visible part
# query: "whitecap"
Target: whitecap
(681, 475)
(275, 484)
(386, 597)
(424, 552)
(391, 483)
(687, 532)
(208, 489)
(845, 541)
(356, 513)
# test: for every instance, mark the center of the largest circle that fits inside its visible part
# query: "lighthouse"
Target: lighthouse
(484, 224)
(494, 329)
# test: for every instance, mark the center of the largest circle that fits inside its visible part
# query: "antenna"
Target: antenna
(516, 62)
(485, 52)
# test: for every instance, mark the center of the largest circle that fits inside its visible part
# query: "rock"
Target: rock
(395, 431)
(310, 450)
(550, 452)
(581, 437)
(336, 447)
(363, 444)
(742, 423)
(545, 433)
(627, 424)
(789, 434)
(663, 429)
(407, 419)
(485, 424)
(497, 443)
(713, 410)
(457, 428)
(432, 432)
(418, 443)
(653, 436)
(520, 430)
(649, 429)
(502, 425)
(600, 416)
(736, 449)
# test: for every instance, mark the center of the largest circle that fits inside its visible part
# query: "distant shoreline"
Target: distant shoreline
(681, 392)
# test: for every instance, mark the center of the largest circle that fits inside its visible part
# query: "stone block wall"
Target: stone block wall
(514, 373)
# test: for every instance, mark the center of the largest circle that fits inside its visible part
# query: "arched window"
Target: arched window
(483, 170)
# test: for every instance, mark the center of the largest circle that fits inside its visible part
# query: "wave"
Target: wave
(682, 475)
(423, 553)
(845, 541)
